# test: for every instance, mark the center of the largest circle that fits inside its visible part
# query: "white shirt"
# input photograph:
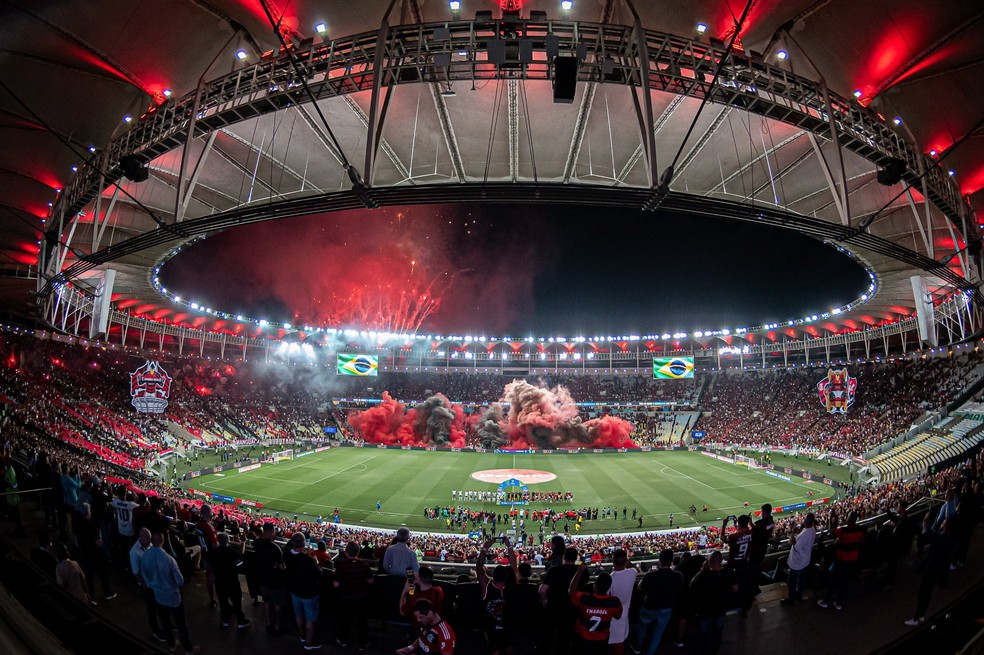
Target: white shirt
(123, 510)
(799, 554)
(622, 584)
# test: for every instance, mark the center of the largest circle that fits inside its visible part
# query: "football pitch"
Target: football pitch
(404, 482)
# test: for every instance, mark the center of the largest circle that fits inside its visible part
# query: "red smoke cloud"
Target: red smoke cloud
(538, 418)
(435, 422)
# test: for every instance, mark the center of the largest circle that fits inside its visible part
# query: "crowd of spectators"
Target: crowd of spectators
(781, 408)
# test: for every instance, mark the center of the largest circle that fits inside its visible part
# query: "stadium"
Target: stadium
(487, 285)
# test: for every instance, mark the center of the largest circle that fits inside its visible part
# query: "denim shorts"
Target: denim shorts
(306, 607)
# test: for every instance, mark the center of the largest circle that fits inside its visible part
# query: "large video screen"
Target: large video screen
(673, 368)
(361, 365)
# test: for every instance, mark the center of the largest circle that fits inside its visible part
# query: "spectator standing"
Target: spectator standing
(623, 583)
(709, 593)
(937, 569)
(303, 580)
(161, 574)
(399, 557)
(140, 546)
(269, 562)
(800, 555)
(353, 580)
(496, 595)
(594, 611)
(555, 596)
(846, 554)
(661, 590)
(224, 561)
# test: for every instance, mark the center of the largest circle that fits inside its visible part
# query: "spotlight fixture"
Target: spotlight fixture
(951, 172)
(321, 28)
(166, 93)
(932, 153)
(92, 149)
(75, 169)
(782, 55)
(241, 54)
(128, 118)
(897, 120)
(454, 5)
(857, 93)
(567, 5)
(701, 28)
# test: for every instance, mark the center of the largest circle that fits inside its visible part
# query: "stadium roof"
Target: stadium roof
(761, 150)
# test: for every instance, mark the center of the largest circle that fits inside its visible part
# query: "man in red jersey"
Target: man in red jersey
(846, 555)
(594, 612)
(436, 636)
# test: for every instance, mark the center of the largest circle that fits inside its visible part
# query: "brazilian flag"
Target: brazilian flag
(361, 365)
(673, 368)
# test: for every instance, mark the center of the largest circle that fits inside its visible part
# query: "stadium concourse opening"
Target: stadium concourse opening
(514, 269)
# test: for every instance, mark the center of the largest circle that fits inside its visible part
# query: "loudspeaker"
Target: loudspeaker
(133, 169)
(891, 174)
(565, 79)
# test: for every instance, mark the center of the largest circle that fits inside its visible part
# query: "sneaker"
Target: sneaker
(225, 624)
(312, 646)
(838, 606)
(915, 622)
(822, 603)
(111, 596)
(243, 624)
(341, 644)
(678, 644)
(364, 647)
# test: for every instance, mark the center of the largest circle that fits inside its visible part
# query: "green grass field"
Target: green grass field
(404, 482)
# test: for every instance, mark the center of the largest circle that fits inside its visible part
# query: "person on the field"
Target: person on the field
(593, 611)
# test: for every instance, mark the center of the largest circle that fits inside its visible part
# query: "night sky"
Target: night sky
(516, 271)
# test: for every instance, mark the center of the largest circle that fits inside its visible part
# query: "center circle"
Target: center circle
(526, 476)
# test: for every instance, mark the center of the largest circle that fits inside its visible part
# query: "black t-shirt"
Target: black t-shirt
(661, 588)
(224, 562)
(558, 581)
(268, 557)
(761, 534)
(303, 575)
(710, 592)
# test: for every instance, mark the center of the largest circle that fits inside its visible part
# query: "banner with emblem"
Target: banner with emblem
(150, 387)
(837, 391)
(361, 365)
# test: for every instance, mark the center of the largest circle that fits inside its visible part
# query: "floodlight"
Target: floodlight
(321, 28)
(567, 5)
(166, 93)
(701, 28)
(782, 55)
(128, 118)
(241, 54)
(897, 120)
(857, 93)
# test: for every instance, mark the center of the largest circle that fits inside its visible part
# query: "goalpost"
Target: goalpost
(283, 454)
(741, 460)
